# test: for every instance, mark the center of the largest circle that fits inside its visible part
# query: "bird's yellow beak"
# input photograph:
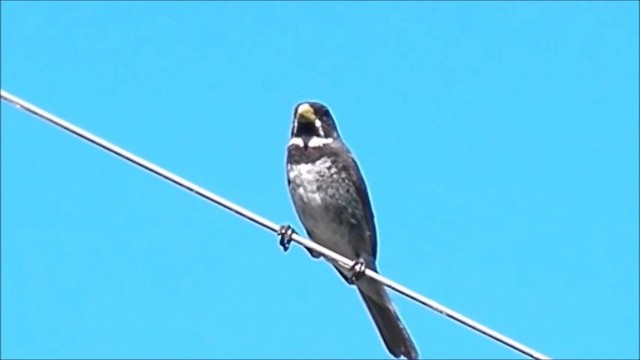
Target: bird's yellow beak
(305, 113)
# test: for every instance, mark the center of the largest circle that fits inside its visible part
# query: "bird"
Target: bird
(330, 197)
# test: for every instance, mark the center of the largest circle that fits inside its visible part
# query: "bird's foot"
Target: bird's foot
(285, 232)
(357, 270)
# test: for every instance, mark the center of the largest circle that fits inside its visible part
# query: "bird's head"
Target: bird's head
(313, 120)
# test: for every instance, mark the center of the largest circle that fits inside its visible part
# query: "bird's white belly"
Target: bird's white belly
(305, 181)
(313, 207)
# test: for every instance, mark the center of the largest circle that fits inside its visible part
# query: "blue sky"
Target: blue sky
(499, 142)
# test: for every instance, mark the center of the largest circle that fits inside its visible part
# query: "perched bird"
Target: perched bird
(331, 200)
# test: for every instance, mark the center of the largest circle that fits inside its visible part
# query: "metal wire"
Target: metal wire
(332, 256)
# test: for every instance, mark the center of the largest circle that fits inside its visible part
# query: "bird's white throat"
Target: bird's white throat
(315, 141)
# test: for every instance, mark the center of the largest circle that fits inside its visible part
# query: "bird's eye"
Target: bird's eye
(321, 113)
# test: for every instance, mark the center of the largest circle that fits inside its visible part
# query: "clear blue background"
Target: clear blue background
(499, 142)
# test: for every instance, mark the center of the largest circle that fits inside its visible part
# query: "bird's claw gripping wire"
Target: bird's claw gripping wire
(356, 270)
(285, 232)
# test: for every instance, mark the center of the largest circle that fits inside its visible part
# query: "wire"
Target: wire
(333, 256)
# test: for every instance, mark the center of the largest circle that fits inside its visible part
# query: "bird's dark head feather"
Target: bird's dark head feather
(311, 119)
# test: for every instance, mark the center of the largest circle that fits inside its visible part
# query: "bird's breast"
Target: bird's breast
(309, 182)
(321, 192)
(317, 196)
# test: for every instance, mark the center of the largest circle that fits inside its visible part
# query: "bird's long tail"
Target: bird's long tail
(391, 329)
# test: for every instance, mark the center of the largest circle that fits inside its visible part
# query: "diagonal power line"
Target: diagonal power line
(259, 220)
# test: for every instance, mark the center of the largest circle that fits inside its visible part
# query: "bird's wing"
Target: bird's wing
(357, 179)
